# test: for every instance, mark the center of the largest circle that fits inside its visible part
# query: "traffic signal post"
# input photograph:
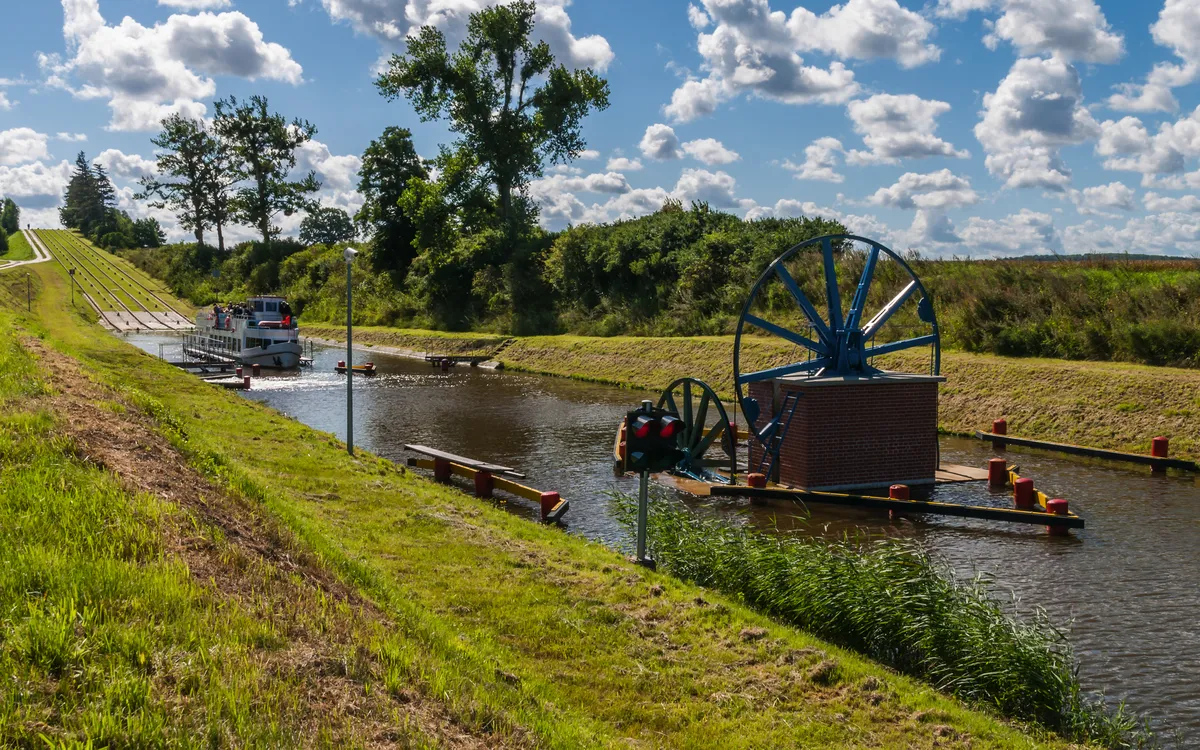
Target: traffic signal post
(651, 444)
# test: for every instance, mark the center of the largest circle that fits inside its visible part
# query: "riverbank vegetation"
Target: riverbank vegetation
(17, 248)
(212, 555)
(889, 600)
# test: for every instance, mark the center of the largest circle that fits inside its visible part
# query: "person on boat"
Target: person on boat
(286, 311)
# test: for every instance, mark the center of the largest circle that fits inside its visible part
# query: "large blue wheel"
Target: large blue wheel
(708, 440)
(830, 339)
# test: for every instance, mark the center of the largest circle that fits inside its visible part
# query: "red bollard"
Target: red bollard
(1058, 507)
(441, 470)
(1023, 494)
(999, 427)
(238, 370)
(549, 501)
(1160, 447)
(483, 484)
(997, 472)
(255, 369)
(756, 480)
(341, 363)
(898, 492)
(246, 382)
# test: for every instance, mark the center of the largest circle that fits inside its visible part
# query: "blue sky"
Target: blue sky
(956, 127)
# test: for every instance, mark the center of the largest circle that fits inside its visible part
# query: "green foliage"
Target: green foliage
(486, 91)
(262, 146)
(189, 157)
(88, 199)
(891, 602)
(10, 217)
(3, 243)
(148, 233)
(326, 225)
(388, 164)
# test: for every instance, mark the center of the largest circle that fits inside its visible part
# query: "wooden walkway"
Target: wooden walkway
(1080, 450)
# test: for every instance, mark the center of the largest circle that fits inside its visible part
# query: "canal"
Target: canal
(1125, 587)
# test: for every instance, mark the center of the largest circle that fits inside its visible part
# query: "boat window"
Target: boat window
(258, 305)
(272, 307)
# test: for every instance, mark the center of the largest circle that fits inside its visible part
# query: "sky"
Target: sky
(967, 128)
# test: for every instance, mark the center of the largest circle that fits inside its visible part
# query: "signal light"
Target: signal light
(650, 440)
(669, 427)
(643, 426)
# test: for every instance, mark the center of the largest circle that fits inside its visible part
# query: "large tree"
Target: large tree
(511, 105)
(10, 217)
(388, 164)
(263, 145)
(148, 233)
(185, 167)
(326, 225)
(84, 206)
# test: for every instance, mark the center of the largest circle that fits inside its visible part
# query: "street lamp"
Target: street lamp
(349, 256)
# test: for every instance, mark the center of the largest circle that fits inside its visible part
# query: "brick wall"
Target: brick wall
(857, 433)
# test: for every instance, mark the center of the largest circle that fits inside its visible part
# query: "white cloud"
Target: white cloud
(126, 166)
(710, 151)
(21, 145)
(934, 227)
(1025, 232)
(1099, 199)
(621, 164)
(1069, 29)
(148, 72)
(1162, 203)
(820, 161)
(196, 4)
(1177, 28)
(660, 142)
(898, 127)
(1037, 108)
(1130, 147)
(715, 188)
(866, 29)
(1171, 232)
(5, 104)
(339, 173)
(937, 190)
(36, 185)
(588, 155)
(390, 21)
(698, 18)
(71, 137)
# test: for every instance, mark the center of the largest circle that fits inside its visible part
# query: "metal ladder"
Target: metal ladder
(774, 432)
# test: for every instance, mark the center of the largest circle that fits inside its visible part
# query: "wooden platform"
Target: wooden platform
(955, 473)
(1081, 450)
(464, 461)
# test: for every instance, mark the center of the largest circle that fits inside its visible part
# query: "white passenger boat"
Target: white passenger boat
(262, 332)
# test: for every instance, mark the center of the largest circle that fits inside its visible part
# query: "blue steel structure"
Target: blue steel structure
(693, 400)
(840, 344)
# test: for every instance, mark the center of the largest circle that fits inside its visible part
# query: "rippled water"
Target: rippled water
(1127, 584)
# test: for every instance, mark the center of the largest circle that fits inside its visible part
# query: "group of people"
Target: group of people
(225, 313)
(231, 308)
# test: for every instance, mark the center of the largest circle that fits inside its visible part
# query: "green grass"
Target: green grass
(889, 600)
(433, 342)
(519, 633)
(18, 248)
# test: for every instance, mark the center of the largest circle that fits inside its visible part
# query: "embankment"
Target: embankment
(186, 563)
(1101, 404)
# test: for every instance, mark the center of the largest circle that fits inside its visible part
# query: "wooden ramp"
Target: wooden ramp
(955, 473)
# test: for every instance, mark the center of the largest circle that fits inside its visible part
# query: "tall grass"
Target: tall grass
(891, 601)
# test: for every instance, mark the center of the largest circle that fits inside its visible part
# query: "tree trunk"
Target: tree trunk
(220, 238)
(265, 227)
(199, 235)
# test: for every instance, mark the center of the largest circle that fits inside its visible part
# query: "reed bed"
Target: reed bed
(891, 601)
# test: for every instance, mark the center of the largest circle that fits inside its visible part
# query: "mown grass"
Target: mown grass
(430, 342)
(18, 248)
(890, 600)
(522, 634)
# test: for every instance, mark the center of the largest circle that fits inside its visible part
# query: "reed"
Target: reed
(893, 602)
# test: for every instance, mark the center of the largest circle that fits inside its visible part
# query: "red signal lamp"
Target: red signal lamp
(669, 427)
(643, 427)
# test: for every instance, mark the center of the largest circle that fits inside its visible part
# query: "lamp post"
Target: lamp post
(349, 256)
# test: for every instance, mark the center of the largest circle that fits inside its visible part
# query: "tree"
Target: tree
(10, 217)
(484, 90)
(263, 145)
(84, 205)
(148, 233)
(327, 225)
(388, 165)
(187, 162)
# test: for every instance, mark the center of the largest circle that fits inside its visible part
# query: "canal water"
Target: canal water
(1126, 586)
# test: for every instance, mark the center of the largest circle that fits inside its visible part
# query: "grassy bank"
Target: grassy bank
(225, 575)
(412, 340)
(18, 249)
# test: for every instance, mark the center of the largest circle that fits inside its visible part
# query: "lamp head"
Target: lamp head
(349, 254)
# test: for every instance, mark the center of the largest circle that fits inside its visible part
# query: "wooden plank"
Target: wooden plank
(1071, 521)
(480, 465)
(1080, 450)
(499, 483)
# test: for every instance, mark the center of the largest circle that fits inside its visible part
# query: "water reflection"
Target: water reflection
(1126, 583)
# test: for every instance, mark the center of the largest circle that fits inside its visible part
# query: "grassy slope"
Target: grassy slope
(433, 342)
(513, 628)
(18, 249)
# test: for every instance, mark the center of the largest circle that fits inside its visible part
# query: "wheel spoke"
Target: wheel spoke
(785, 334)
(703, 447)
(872, 328)
(701, 415)
(688, 423)
(810, 312)
(864, 287)
(671, 407)
(895, 346)
(833, 297)
(778, 372)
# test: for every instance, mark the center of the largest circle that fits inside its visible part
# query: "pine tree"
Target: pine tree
(10, 217)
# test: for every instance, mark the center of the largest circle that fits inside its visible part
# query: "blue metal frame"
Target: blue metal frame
(844, 345)
(695, 440)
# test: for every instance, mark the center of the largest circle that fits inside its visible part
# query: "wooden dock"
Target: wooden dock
(1080, 450)
(1010, 515)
